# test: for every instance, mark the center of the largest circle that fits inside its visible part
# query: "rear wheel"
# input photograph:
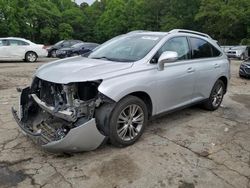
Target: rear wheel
(128, 121)
(31, 57)
(216, 96)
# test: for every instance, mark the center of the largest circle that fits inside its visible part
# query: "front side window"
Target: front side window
(17, 43)
(128, 48)
(177, 44)
(203, 49)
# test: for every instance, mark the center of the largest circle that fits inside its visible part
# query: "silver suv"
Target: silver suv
(76, 103)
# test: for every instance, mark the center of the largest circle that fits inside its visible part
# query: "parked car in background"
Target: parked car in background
(75, 50)
(239, 52)
(74, 104)
(13, 48)
(226, 48)
(245, 69)
(61, 44)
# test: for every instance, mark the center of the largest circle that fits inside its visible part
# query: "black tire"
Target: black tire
(30, 57)
(210, 104)
(242, 57)
(53, 54)
(122, 106)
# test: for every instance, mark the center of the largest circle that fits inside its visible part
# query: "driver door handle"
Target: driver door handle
(216, 65)
(190, 70)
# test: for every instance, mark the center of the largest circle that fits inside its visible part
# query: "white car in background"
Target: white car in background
(13, 48)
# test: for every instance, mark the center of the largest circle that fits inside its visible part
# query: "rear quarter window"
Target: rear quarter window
(203, 49)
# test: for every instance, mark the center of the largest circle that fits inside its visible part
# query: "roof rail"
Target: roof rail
(137, 31)
(189, 31)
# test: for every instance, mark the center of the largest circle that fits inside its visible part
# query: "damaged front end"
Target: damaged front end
(61, 118)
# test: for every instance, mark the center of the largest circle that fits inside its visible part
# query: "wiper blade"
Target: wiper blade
(113, 59)
(105, 58)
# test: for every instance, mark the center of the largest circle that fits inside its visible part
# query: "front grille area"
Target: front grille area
(48, 133)
(53, 129)
(48, 92)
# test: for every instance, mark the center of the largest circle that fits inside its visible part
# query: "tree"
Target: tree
(65, 31)
(224, 20)
(47, 21)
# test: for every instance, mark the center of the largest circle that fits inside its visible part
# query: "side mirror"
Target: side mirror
(166, 57)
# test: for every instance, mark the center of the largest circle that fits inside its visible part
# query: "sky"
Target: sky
(87, 1)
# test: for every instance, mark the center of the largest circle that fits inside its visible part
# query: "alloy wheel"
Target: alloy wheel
(31, 57)
(217, 96)
(130, 122)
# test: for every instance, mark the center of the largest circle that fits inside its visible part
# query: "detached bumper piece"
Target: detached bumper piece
(52, 133)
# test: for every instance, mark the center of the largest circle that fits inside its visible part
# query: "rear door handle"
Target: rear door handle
(216, 65)
(190, 70)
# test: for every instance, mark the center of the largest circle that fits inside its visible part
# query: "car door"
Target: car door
(17, 49)
(4, 49)
(175, 84)
(205, 55)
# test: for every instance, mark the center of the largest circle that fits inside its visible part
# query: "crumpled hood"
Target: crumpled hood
(79, 69)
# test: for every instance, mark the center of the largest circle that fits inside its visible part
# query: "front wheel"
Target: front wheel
(128, 121)
(242, 57)
(53, 54)
(30, 57)
(216, 96)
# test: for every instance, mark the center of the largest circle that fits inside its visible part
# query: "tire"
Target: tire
(53, 54)
(216, 96)
(124, 130)
(31, 57)
(242, 57)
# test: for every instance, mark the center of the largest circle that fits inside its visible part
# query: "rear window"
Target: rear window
(203, 49)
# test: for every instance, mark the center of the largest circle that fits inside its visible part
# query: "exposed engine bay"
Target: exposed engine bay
(50, 110)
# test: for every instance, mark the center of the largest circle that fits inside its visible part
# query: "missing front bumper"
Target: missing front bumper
(83, 137)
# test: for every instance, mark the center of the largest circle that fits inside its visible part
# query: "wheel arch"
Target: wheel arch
(145, 98)
(30, 51)
(225, 81)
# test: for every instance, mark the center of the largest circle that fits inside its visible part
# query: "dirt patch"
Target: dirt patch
(6, 84)
(10, 178)
(8, 67)
(118, 168)
(186, 185)
(243, 99)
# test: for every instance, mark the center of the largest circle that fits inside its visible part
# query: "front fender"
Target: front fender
(118, 88)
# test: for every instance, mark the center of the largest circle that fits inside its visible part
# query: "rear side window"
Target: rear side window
(203, 49)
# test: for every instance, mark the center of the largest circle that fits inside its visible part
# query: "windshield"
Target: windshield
(58, 43)
(127, 48)
(78, 45)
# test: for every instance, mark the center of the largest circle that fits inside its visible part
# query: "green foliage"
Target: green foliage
(65, 31)
(47, 21)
